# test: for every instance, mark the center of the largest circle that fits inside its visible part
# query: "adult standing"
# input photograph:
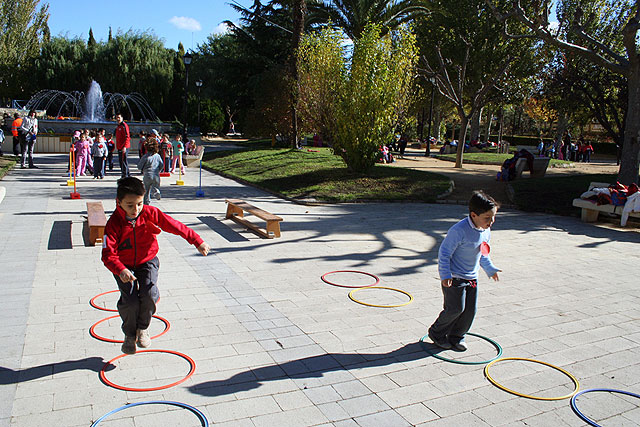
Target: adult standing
(15, 125)
(123, 143)
(27, 132)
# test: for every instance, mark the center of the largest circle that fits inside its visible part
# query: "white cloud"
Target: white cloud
(222, 28)
(553, 25)
(186, 23)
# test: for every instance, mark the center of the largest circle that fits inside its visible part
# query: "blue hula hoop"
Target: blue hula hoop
(463, 362)
(199, 414)
(583, 416)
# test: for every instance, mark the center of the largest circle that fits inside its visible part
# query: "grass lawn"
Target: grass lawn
(554, 194)
(6, 163)
(489, 158)
(318, 174)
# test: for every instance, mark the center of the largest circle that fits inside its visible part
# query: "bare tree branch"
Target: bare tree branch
(541, 30)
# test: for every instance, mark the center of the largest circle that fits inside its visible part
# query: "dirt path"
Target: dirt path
(483, 177)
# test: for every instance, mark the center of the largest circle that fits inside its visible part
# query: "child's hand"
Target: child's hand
(446, 283)
(127, 276)
(495, 276)
(204, 248)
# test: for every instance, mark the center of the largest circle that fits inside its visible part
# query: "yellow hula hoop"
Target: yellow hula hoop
(381, 306)
(500, 386)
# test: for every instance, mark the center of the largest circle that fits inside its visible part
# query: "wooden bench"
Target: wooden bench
(235, 212)
(97, 221)
(192, 160)
(540, 165)
(590, 210)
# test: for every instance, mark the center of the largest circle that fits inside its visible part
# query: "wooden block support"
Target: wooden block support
(235, 212)
(97, 221)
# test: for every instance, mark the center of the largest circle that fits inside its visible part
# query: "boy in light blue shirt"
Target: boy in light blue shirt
(463, 251)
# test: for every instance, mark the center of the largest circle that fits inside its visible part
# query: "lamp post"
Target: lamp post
(199, 85)
(432, 80)
(187, 58)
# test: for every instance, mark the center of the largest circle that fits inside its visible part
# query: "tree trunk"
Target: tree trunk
(500, 124)
(299, 9)
(563, 124)
(437, 122)
(464, 121)
(475, 125)
(628, 172)
(488, 126)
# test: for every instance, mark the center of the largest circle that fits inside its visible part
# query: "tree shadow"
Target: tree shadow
(312, 367)
(10, 376)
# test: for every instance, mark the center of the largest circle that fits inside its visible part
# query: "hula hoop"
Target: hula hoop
(382, 306)
(583, 416)
(500, 386)
(324, 279)
(93, 333)
(93, 304)
(104, 379)
(197, 412)
(464, 362)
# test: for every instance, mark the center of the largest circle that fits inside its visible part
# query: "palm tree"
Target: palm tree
(353, 15)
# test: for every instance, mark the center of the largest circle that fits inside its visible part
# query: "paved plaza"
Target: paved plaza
(274, 345)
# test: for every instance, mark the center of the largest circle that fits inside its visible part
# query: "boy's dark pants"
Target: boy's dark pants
(137, 308)
(98, 167)
(459, 310)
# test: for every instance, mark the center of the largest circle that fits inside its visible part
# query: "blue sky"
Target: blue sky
(186, 21)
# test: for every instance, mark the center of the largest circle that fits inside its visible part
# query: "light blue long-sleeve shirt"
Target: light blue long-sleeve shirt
(151, 165)
(459, 255)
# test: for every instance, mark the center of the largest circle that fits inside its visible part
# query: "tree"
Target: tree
(234, 64)
(24, 26)
(463, 50)
(352, 16)
(92, 41)
(624, 23)
(129, 63)
(372, 91)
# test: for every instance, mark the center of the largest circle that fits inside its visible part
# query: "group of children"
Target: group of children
(170, 151)
(568, 150)
(93, 152)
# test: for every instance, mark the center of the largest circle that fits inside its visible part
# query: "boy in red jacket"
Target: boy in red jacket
(129, 251)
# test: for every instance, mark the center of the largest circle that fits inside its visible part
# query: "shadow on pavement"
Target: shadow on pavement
(10, 376)
(311, 367)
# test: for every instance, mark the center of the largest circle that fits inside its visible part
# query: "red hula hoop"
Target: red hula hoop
(104, 379)
(93, 304)
(350, 271)
(93, 333)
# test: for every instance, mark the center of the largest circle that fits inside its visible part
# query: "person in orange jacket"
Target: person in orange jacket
(15, 125)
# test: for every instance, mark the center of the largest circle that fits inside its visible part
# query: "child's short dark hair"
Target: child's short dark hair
(129, 185)
(481, 202)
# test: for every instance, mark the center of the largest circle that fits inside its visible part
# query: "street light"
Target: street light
(432, 80)
(186, 59)
(198, 85)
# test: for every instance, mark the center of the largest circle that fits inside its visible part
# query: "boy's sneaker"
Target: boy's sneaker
(460, 346)
(129, 345)
(442, 343)
(144, 340)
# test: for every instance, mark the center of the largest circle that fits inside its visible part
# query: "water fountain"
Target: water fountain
(67, 112)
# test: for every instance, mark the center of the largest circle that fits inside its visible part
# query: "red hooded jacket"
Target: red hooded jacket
(123, 139)
(127, 244)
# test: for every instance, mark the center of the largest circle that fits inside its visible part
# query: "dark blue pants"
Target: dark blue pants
(98, 167)
(459, 310)
(110, 160)
(124, 163)
(138, 306)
